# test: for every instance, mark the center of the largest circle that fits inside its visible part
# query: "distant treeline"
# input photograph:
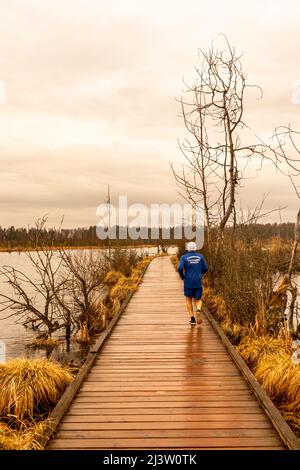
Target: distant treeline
(12, 237)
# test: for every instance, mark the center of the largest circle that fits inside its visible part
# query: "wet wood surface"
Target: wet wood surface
(160, 383)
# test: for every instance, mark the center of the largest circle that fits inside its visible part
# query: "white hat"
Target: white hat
(191, 246)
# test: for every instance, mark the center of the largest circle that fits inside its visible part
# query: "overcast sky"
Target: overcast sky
(88, 93)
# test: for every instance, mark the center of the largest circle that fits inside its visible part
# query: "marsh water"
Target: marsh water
(15, 339)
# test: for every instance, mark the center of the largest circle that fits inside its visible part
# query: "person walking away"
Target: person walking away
(192, 266)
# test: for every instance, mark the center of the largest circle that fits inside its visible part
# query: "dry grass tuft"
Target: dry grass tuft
(143, 263)
(215, 303)
(293, 419)
(44, 343)
(270, 360)
(274, 372)
(254, 350)
(120, 286)
(126, 285)
(24, 438)
(233, 331)
(113, 277)
(175, 260)
(30, 387)
(136, 275)
(120, 291)
(275, 245)
(83, 336)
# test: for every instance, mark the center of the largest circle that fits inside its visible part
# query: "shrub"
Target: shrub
(234, 331)
(123, 260)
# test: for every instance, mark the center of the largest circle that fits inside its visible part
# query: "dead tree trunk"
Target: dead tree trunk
(292, 288)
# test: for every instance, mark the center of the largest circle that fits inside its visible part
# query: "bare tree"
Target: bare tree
(85, 294)
(217, 151)
(65, 290)
(213, 114)
(287, 159)
(285, 154)
(291, 286)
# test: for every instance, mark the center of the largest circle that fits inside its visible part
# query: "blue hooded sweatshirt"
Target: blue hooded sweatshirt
(191, 267)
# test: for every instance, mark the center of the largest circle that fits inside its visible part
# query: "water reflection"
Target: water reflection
(194, 338)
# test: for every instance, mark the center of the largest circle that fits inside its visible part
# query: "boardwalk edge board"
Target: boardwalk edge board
(283, 429)
(63, 404)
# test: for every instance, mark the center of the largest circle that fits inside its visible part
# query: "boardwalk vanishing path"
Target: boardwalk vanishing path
(159, 383)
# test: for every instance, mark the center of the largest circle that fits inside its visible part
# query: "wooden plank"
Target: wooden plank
(164, 425)
(166, 378)
(166, 433)
(191, 381)
(143, 420)
(178, 381)
(172, 390)
(216, 412)
(195, 399)
(79, 404)
(159, 443)
(221, 394)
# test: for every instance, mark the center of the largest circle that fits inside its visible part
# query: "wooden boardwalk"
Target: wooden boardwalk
(160, 384)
